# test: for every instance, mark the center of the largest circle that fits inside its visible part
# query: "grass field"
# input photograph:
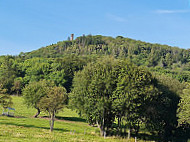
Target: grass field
(69, 127)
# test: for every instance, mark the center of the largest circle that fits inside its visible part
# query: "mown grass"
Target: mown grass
(69, 127)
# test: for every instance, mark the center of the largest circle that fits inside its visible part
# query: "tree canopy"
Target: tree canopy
(53, 102)
(110, 89)
(184, 106)
(34, 91)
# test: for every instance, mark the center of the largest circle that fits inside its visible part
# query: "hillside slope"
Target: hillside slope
(141, 53)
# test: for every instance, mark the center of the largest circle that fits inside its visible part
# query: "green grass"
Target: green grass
(69, 127)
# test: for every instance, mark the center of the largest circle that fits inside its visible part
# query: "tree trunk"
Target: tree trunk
(36, 115)
(125, 130)
(102, 129)
(129, 134)
(49, 119)
(121, 128)
(118, 128)
(52, 121)
(137, 129)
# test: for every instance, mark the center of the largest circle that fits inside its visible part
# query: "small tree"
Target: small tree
(34, 92)
(52, 102)
(5, 99)
(17, 86)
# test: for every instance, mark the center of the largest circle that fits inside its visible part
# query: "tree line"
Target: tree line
(163, 59)
(141, 53)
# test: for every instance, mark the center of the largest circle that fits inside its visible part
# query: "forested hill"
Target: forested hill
(141, 53)
(104, 89)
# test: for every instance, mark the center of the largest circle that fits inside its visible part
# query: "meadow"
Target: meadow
(68, 127)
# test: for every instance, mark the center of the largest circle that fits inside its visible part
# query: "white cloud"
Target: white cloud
(115, 18)
(171, 11)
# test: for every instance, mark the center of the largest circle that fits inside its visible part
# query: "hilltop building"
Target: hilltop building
(72, 37)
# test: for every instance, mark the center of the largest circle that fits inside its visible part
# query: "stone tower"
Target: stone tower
(72, 37)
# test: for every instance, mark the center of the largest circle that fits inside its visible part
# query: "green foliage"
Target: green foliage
(92, 93)
(161, 114)
(172, 61)
(34, 91)
(135, 90)
(53, 102)
(5, 99)
(110, 89)
(59, 70)
(184, 106)
(7, 73)
(35, 69)
(66, 67)
(58, 62)
(18, 85)
(142, 53)
(182, 76)
(110, 92)
(58, 77)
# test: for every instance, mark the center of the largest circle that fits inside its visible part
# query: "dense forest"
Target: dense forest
(159, 58)
(114, 83)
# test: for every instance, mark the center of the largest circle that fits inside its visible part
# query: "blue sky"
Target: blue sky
(27, 25)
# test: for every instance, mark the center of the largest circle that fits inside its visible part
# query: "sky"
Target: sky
(27, 25)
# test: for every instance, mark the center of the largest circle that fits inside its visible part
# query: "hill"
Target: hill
(163, 59)
(142, 53)
(59, 65)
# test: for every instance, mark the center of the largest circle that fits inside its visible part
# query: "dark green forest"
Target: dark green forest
(114, 83)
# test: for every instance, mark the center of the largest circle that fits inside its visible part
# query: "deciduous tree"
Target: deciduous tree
(34, 91)
(5, 99)
(53, 102)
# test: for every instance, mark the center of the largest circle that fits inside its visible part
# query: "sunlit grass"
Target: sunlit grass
(23, 127)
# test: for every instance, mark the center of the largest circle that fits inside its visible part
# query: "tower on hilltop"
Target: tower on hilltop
(72, 37)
